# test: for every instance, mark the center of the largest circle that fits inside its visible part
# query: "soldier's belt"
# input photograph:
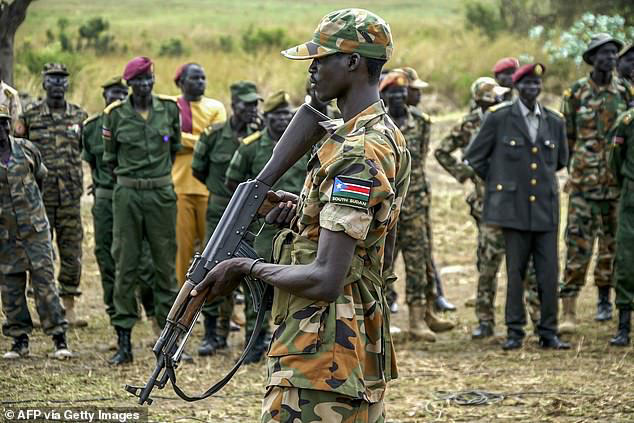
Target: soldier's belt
(103, 193)
(147, 183)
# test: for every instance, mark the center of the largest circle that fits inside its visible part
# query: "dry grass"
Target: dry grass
(592, 382)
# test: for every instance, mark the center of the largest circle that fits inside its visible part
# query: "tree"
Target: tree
(12, 14)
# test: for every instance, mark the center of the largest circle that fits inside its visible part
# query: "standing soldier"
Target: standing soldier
(517, 151)
(212, 155)
(10, 98)
(141, 136)
(54, 126)
(331, 357)
(485, 92)
(503, 71)
(591, 107)
(25, 245)
(625, 68)
(102, 188)
(412, 238)
(197, 113)
(622, 164)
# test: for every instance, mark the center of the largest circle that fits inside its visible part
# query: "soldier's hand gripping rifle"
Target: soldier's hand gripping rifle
(229, 240)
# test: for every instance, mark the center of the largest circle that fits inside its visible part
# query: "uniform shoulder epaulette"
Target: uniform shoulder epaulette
(166, 97)
(555, 112)
(112, 106)
(214, 127)
(9, 91)
(252, 138)
(91, 118)
(500, 106)
(628, 117)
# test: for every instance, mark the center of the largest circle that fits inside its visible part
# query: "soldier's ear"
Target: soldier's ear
(354, 59)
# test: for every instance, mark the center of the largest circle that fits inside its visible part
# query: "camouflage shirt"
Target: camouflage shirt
(21, 209)
(93, 152)
(57, 134)
(416, 130)
(622, 152)
(590, 111)
(356, 183)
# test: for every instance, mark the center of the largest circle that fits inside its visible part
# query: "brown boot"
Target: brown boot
(69, 306)
(418, 329)
(436, 323)
(568, 322)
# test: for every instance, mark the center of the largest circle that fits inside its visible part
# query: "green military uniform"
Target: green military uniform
(590, 112)
(103, 185)
(25, 244)
(144, 202)
(490, 246)
(57, 134)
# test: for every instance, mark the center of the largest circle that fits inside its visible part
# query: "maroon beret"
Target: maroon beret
(531, 69)
(137, 66)
(179, 72)
(506, 63)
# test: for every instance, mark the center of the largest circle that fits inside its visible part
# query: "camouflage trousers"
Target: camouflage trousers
(587, 221)
(13, 289)
(491, 251)
(624, 265)
(67, 231)
(296, 405)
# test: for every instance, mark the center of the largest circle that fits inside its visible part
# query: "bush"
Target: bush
(225, 42)
(93, 35)
(172, 47)
(35, 59)
(265, 39)
(483, 18)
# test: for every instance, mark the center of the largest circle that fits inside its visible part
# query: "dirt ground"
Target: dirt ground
(592, 382)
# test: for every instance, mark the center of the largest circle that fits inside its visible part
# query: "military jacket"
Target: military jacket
(590, 111)
(92, 141)
(58, 137)
(356, 183)
(9, 97)
(621, 157)
(141, 148)
(416, 131)
(522, 190)
(22, 211)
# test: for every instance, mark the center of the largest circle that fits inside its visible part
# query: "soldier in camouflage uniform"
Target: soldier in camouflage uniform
(591, 107)
(413, 238)
(10, 98)
(102, 188)
(25, 245)
(212, 155)
(247, 162)
(485, 92)
(331, 356)
(54, 126)
(621, 162)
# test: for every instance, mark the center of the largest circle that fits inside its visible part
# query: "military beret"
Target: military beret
(626, 50)
(347, 31)
(487, 89)
(536, 69)
(396, 77)
(412, 77)
(115, 80)
(180, 70)
(245, 91)
(505, 63)
(137, 66)
(597, 41)
(55, 69)
(5, 113)
(275, 100)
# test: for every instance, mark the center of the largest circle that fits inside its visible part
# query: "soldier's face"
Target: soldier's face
(413, 96)
(5, 130)
(194, 81)
(277, 120)
(55, 86)
(396, 98)
(505, 78)
(114, 93)
(329, 76)
(626, 65)
(246, 111)
(529, 88)
(605, 57)
(142, 84)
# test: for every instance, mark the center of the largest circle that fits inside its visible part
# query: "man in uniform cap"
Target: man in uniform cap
(331, 357)
(25, 245)
(517, 152)
(211, 158)
(625, 66)
(415, 85)
(54, 125)
(591, 106)
(503, 71)
(413, 238)
(141, 136)
(10, 98)
(102, 188)
(485, 92)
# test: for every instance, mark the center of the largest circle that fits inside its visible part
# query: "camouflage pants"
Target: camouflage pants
(587, 221)
(13, 289)
(624, 271)
(66, 230)
(491, 250)
(296, 405)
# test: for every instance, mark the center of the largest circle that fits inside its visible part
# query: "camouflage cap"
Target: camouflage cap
(597, 41)
(115, 80)
(487, 89)
(245, 91)
(347, 31)
(413, 79)
(275, 100)
(55, 69)
(5, 113)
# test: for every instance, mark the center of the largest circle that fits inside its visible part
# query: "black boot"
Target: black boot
(19, 349)
(258, 350)
(484, 330)
(604, 306)
(441, 303)
(124, 345)
(622, 337)
(208, 346)
(61, 347)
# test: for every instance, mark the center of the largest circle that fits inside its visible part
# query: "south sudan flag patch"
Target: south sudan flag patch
(352, 192)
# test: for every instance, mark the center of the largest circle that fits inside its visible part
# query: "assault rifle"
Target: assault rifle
(229, 240)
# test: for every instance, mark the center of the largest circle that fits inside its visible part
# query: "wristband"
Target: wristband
(256, 261)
